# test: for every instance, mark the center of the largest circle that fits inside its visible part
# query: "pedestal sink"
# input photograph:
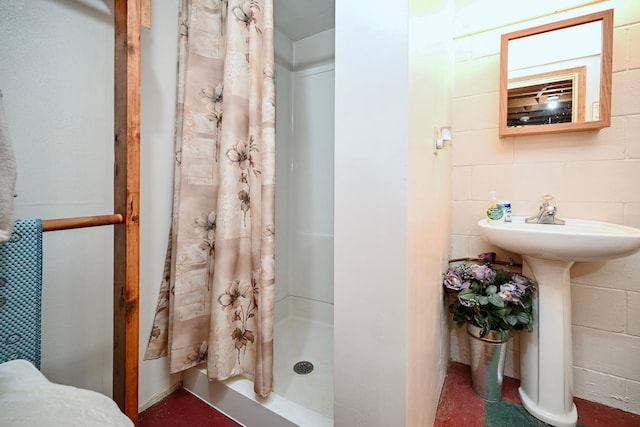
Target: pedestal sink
(549, 251)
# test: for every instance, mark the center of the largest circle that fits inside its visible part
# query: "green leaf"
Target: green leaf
(465, 292)
(511, 319)
(523, 318)
(501, 312)
(482, 300)
(496, 300)
(491, 289)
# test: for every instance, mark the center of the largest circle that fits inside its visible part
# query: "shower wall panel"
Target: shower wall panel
(283, 178)
(304, 167)
(312, 184)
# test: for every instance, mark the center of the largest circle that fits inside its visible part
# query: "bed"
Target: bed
(28, 398)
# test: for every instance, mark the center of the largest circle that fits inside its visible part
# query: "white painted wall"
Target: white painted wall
(392, 211)
(57, 80)
(429, 207)
(370, 279)
(159, 56)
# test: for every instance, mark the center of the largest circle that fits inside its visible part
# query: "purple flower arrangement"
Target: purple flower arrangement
(491, 299)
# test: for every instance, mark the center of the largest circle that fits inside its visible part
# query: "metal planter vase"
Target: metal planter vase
(487, 356)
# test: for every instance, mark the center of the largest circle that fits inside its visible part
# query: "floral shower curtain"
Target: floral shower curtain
(216, 298)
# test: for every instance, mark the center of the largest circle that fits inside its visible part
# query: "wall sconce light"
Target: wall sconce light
(443, 135)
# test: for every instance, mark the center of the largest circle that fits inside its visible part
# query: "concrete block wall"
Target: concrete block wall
(593, 175)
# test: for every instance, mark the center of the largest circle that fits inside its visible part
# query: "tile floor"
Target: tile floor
(458, 407)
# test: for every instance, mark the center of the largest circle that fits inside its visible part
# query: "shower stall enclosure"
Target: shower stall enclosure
(303, 332)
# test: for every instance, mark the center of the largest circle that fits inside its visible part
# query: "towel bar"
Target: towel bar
(80, 222)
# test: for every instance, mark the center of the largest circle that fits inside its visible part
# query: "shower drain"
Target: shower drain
(303, 367)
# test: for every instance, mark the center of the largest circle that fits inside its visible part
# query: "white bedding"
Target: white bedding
(28, 398)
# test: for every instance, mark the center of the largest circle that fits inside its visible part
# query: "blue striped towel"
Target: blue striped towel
(20, 292)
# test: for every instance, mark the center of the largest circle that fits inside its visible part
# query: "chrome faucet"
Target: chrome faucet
(546, 213)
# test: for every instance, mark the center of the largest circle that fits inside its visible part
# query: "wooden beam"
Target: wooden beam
(146, 14)
(126, 248)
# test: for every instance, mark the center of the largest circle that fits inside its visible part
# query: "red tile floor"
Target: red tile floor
(459, 406)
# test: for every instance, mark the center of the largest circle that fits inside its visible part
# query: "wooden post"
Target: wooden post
(146, 14)
(126, 248)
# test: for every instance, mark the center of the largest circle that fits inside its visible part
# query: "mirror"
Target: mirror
(557, 77)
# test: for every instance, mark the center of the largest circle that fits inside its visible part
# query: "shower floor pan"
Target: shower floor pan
(299, 399)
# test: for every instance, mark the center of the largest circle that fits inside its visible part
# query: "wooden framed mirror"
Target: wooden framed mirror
(557, 77)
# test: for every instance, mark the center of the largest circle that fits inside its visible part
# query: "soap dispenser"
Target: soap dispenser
(495, 211)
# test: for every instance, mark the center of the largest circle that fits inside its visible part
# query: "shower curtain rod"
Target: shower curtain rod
(81, 222)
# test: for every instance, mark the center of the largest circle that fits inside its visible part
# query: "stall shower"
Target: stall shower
(303, 331)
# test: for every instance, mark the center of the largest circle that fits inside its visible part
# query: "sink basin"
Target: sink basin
(577, 240)
(548, 252)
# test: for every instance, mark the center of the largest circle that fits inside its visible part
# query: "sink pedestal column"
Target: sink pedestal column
(546, 358)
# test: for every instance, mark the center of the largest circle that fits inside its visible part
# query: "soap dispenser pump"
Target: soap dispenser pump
(495, 212)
